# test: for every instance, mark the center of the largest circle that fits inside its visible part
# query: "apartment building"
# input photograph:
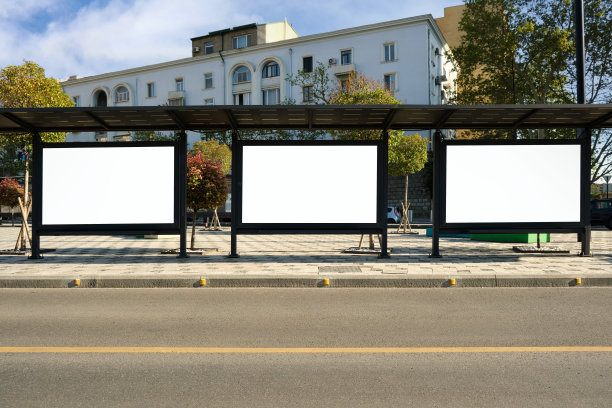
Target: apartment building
(249, 65)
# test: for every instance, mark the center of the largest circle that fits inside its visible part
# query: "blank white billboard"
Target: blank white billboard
(309, 184)
(108, 185)
(509, 183)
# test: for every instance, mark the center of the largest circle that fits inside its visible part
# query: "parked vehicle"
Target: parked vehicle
(601, 212)
(393, 216)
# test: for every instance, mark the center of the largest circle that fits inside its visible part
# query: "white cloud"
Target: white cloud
(118, 35)
(11, 9)
(88, 37)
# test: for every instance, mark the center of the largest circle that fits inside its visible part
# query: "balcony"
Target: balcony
(340, 70)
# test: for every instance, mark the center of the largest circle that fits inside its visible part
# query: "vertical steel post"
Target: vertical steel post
(437, 195)
(36, 195)
(585, 194)
(384, 252)
(236, 210)
(182, 145)
(585, 236)
(579, 27)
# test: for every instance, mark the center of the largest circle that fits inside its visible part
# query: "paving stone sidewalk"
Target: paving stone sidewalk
(314, 256)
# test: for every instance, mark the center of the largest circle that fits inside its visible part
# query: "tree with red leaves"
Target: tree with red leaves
(206, 186)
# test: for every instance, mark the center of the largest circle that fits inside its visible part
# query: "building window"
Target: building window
(242, 98)
(209, 48)
(179, 84)
(241, 42)
(346, 57)
(209, 101)
(122, 94)
(77, 101)
(390, 82)
(307, 64)
(150, 89)
(307, 95)
(344, 84)
(208, 80)
(390, 52)
(271, 96)
(270, 70)
(242, 74)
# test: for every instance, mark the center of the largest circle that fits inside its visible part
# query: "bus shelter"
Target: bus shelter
(147, 190)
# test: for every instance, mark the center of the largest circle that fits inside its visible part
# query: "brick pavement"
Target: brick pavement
(298, 255)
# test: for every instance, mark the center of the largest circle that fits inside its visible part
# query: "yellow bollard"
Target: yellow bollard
(202, 282)
(77, 282)
(326, 282)
(452, 282)
(578, 281)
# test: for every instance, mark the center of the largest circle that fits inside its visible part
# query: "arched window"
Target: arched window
(100, 98)
(270, 70)
(242, 74)
(122, 94)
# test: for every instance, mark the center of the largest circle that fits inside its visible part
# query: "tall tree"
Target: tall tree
(206, 186)
(407, 155)
(523, 51)
(26, 86)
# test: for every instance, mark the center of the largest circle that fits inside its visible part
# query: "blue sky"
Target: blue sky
(88, 37)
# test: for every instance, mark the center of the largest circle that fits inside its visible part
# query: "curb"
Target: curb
(492, 281)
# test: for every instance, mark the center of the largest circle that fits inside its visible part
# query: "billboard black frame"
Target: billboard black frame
(177, 227)
(440, 226)
(379, 227)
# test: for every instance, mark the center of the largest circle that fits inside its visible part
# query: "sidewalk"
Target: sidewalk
(300, 260)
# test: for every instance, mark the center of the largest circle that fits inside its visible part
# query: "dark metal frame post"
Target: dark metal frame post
(384, 252)
(437, 196)
(36, 195)
(579, 27)
(182, 142)
(585, 236)
(585, 197)
(236, 190)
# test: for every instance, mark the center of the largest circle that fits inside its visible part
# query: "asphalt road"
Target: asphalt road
(357, 347)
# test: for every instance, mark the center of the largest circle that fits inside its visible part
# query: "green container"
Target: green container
(519, 238)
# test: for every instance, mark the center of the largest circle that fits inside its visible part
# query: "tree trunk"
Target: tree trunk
(405, 204)
(406, 192)
(193, 227)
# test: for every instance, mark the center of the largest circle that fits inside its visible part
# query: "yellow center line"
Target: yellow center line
(304, 350)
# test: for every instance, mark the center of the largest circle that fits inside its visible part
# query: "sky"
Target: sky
(89, 37)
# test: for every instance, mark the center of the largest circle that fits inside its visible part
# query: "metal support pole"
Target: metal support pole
(384, 252)
(236, 211)
(579, 27)
(36, 195)
(182, 142)
(437, 195)
(586, 193)
(585, 236)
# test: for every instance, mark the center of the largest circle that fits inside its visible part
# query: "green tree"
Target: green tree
(523, 51)
(407, 155)
(215, 151)
(26, 86)
(357, 89)
(206, 186)
(318, 81)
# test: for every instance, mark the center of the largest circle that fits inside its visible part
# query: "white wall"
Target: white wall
(413, 68)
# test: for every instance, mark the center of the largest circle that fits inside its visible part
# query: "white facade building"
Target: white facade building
(230, 67)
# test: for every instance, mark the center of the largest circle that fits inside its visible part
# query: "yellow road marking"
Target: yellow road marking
(304, 350)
